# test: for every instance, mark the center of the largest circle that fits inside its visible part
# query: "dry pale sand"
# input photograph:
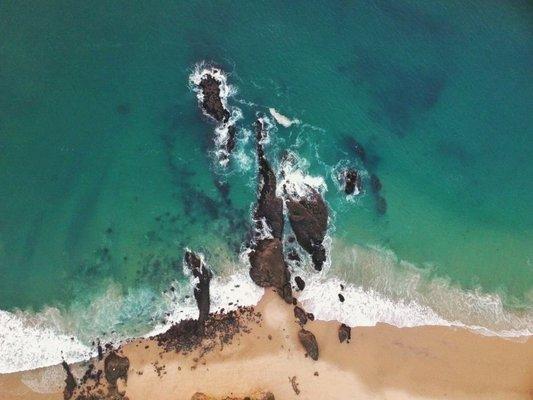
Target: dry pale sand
(380, 362)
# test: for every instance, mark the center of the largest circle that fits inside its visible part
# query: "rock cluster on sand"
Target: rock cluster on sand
(308, 341)
(345, 333)
(268, 266)
(116, 367)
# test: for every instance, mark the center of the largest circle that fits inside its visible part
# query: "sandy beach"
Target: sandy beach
(381, 362)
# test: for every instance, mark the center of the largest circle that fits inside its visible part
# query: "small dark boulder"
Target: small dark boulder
(116, 367)
(341, 298)
(308, 341)
(345, 333)
(300, 283)
(310, 316)
(300, 315)
(293, 256)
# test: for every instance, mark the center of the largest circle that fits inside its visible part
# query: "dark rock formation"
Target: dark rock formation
(268, 268)
(300, 283)
(341, 298)
(212, 102)
(309, 220)
(230, 142)
(300, 315)
(269, 207)
(310, 316)
(70, 382)
(293, 255)
(345, 333)
(308, 341)
(352, 181)
(201, 290)
(116, 367)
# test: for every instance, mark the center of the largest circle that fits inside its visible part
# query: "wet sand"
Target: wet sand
(379, 362)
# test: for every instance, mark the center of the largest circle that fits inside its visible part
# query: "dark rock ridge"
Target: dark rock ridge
(308, 341)
(268, 267)
(308, 217)
(213, 106)
(70, 382)
(352, 181)
(116, 367)
(201, 290)
(345, 333)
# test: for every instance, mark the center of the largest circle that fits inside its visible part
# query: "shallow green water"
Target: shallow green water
(105, 170)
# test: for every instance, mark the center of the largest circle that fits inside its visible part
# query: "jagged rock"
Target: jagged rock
(300, 283)
(300, 315)
(201, 289)
(116, 367)
(310, 316)
(269, 207)
(308, 341)
(293, 256)
(70, 382)
(268, 268)
(212, 102)
(230, 142)
(308, 217)
(345, 333)
(352, 181)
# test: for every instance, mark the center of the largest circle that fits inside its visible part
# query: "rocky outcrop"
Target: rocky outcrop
(70, 382)
(212, 102)
(268, 267)
(308, 217)
(352, 181)
(345, 333)
(300, 283)
(116, 367)
(201, 290)
(308, 341)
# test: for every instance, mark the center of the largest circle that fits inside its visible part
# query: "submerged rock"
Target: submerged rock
(308, 341)
(116, 367)
(201, 290)
(375, 183)
(381, 205)
(345, 333)
(308, 217)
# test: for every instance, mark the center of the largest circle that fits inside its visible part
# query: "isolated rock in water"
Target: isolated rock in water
(268, 268)
(352, 181)
(201, 291)
(375, 183)
(308, 341)
(293, 255)
(300, 315)
(230, 142)
(70, 382)
(341, 298)
(309, 221)
(116, 367)
(269, 208)
(300, 283)
(212, 102)
(345, 333)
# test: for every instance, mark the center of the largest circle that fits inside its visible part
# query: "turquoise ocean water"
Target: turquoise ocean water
(107, 169)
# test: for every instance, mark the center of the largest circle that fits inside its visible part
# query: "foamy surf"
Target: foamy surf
(282, 119)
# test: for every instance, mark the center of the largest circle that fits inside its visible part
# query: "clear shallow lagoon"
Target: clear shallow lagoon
(106, 171)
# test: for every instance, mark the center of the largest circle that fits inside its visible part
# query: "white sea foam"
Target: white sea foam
(282, 119)
(294, 179)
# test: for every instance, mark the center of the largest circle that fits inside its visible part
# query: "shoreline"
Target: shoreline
(379, 362)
